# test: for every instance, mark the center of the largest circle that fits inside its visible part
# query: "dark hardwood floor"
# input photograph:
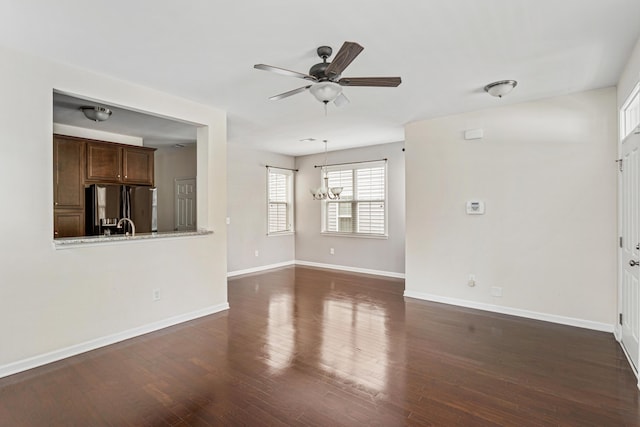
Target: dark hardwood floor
(303, 346)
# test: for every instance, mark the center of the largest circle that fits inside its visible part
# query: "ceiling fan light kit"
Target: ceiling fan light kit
(326, 91)
(97, 114)
(326, 78)
(500, 88)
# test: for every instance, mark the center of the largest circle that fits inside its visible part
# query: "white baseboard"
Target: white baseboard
(260, 268)
(570, 321)
(351, 269)
(54, 356)
(316, 264)
(617, 333)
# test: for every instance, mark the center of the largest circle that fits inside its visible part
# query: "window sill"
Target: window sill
(357, 235)
(281, 233)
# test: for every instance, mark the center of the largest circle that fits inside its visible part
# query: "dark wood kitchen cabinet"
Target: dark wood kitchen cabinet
(104, 162)
(68, 169)
(68, 186)
(68, 223)
(137, 165)
(119, 164)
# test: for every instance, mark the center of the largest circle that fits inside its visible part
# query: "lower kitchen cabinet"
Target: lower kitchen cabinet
(68, 223)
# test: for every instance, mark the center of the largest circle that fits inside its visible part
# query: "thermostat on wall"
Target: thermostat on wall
(475, 207)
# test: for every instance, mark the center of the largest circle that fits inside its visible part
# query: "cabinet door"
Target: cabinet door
(103, 162)
(68, 170)
(68, 223)
(138, 166)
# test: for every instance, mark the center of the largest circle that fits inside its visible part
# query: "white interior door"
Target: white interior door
(630, 250)
(185, 204)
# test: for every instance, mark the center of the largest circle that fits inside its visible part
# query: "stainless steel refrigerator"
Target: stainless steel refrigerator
(107, 204)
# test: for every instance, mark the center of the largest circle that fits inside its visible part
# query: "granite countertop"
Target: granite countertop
(70, 242)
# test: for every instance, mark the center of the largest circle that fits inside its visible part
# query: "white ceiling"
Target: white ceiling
(444, 50)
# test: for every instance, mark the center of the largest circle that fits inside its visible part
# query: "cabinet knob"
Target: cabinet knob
(56, 203)
(125, 176)
(118, 176)
(55, 233)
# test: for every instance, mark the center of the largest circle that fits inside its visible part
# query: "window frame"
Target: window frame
(353, 167)
(289, 188)
(630, 105)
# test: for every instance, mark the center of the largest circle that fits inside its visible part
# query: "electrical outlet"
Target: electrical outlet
(471, 281)
(228, 220)
(331, 251)
(156, 295)
(496, 291)
(257, 252)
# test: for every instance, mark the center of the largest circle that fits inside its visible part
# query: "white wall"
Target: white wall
(172, 163)
(380, 255)
(99, 135)
(547, 174)
(247, 210)
(54, 300)
(630, 75)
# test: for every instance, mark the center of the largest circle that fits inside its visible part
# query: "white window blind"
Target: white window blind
(361, 208)
(279, 204)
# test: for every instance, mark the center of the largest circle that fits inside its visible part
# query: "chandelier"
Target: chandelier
(324, 192)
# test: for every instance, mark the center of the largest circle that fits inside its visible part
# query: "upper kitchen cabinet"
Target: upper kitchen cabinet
(117, 163)
(104, 162)
(68, 170)
(137, 165)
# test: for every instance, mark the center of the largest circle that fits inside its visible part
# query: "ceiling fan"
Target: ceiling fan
(325, 77)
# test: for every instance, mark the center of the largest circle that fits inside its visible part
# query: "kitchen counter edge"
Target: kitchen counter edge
(85, 241)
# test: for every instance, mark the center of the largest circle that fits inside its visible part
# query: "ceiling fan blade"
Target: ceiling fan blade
(289, 93)
(370, 81)
(284, 72)
(341, 100)
(343, 58)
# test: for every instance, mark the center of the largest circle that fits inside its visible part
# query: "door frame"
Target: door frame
(618, 330)
(623, 135)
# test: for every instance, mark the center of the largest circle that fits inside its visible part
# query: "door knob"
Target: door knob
(633, 263)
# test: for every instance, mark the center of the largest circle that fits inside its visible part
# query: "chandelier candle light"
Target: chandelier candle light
(324, 192)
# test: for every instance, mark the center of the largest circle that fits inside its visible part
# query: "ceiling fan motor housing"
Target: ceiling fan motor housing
(318, 70)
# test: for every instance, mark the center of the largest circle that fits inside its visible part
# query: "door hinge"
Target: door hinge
(620, 241)
(620, 318)
(619, 162)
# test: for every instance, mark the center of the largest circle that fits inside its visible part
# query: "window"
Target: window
(362, 208)
(280, 201)
(630, 113)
